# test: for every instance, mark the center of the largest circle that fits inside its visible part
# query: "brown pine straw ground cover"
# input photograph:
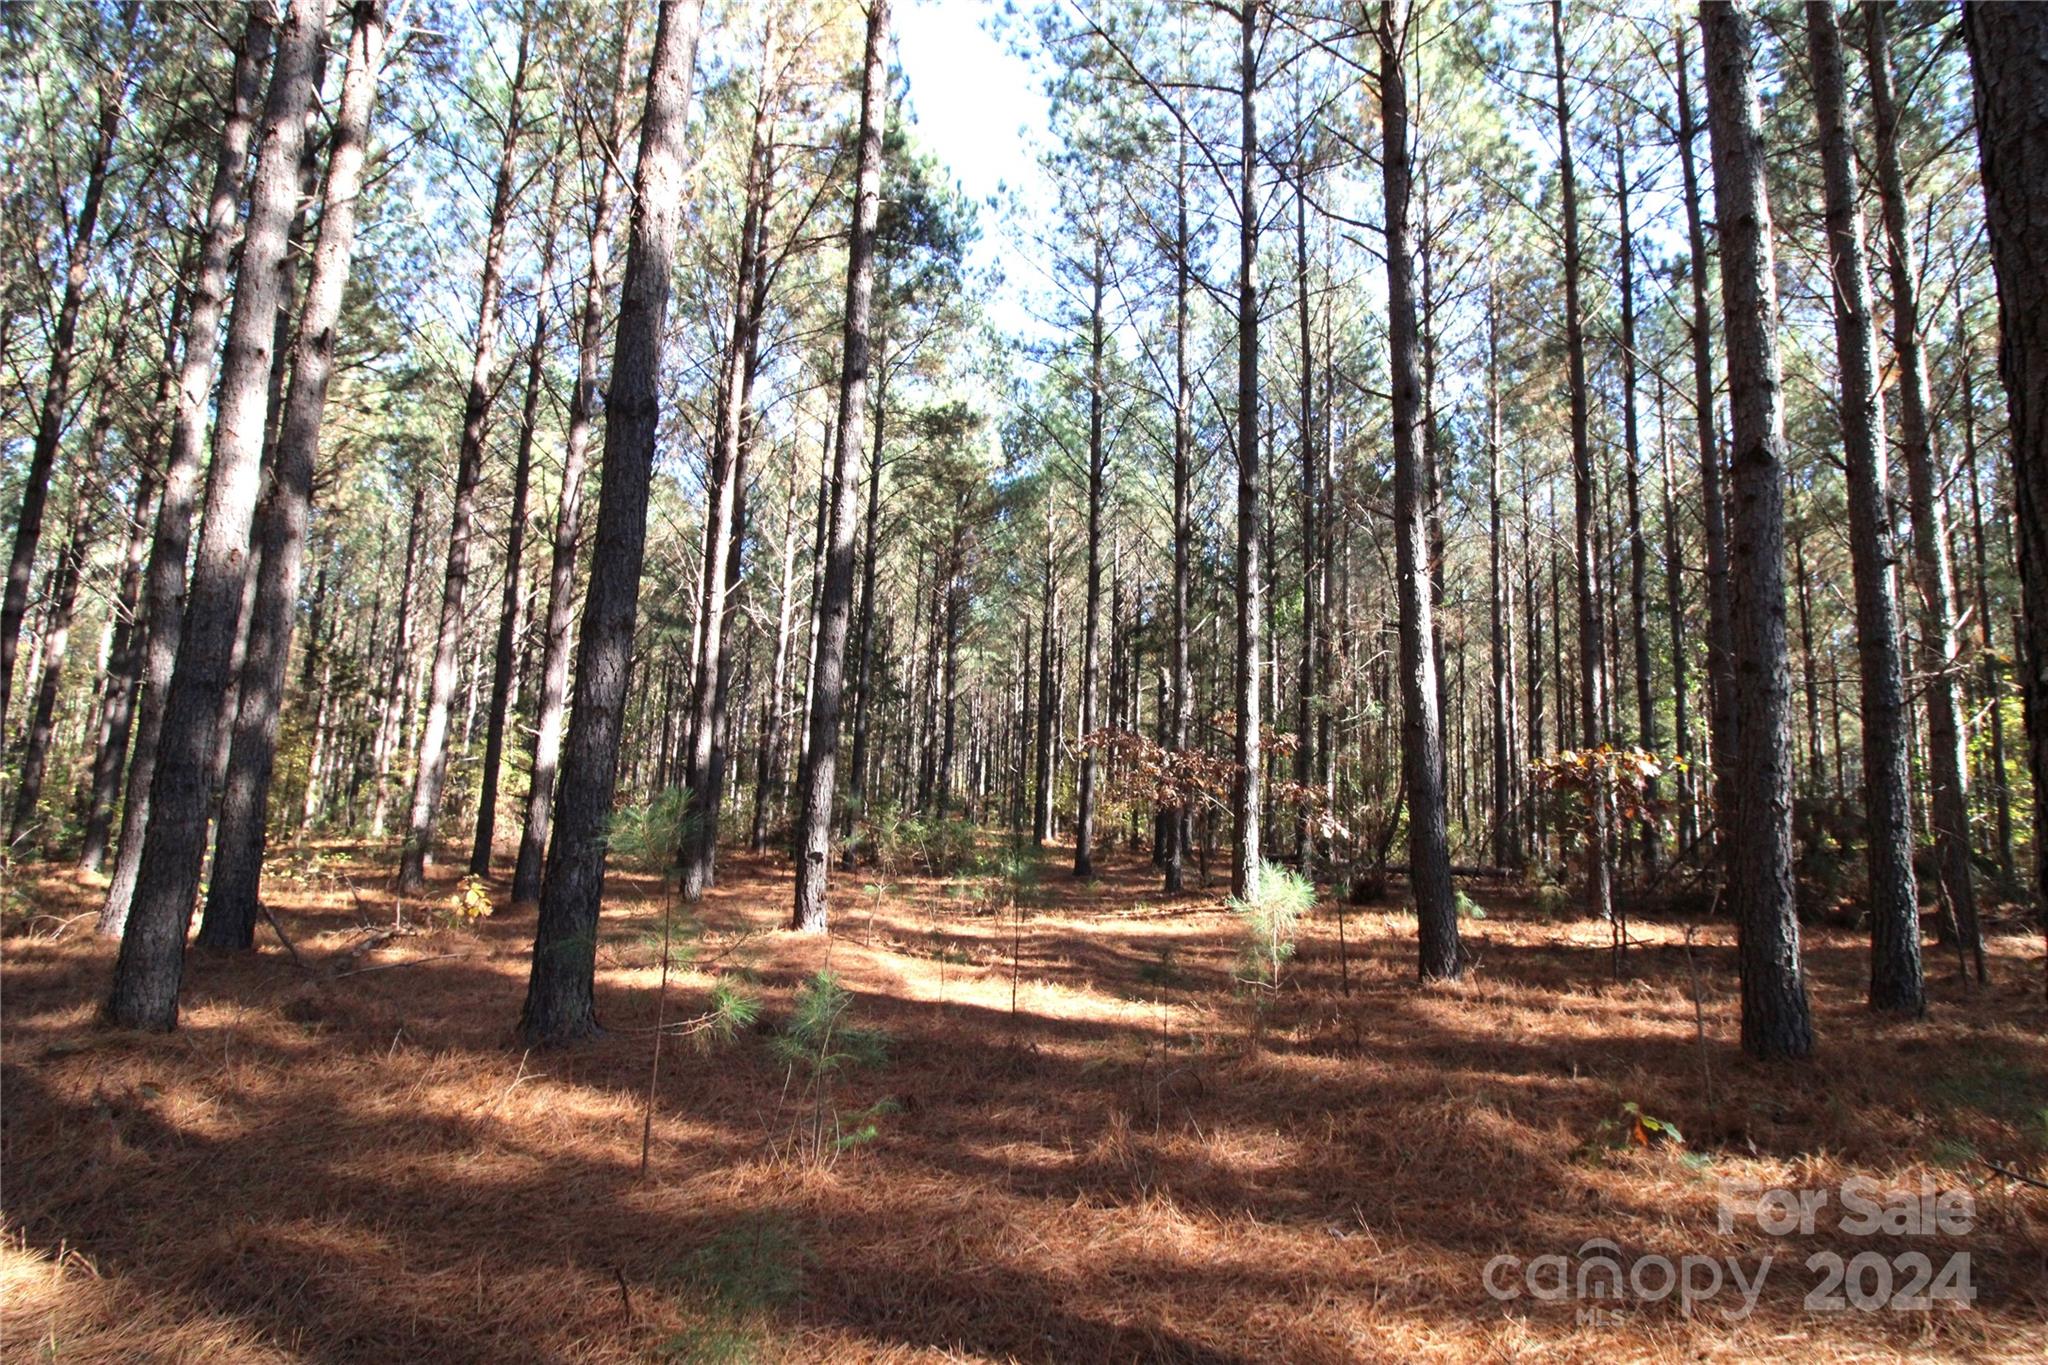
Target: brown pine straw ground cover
(352, 1160)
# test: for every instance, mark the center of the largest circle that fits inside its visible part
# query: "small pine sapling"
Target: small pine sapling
(816, 1045)
(1269, 918)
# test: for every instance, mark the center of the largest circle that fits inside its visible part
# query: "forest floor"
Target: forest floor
(349, 1159)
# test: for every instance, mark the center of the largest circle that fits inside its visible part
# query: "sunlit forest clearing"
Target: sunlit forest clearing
(340, 1158)
(1186, 680)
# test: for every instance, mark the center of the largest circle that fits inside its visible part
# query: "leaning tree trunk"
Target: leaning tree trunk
(2009, 58)
(1939, 650)
(1775, 1022)
(1895, 976)
(151, 961)
(559, 1006)
(35, 492)
(828, 671)
(1592, 629)
(235, 885)
(1251, 513)
(550, 709)
(1429, 856)
(430, 770)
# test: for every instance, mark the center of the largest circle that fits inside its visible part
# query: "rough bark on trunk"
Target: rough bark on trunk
(1245, 794)
(151, 961)
(1585, 553)
(164, 590)
(1894, 903)
(1429, 856)
(2009, 59)
(1721, 719)
(1178, 821)
(559, 1007)
(235, 884)
(1775, 1021)
(1939, 648)
(1306, 684)
(551, 704)
(835, 602)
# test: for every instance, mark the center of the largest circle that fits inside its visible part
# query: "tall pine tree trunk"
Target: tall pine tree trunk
(1721, 719)
(233, 889)
(1992, 676)
(63, 597)
(2009, 58)
(1179, 823)
(1507, 836)
(1775, 1022)
(835, 602)
(1306, 700)
(1245, 795)
(512, 605)
(1091, 611)
(1939, 649)
(1894, 903)
(1638, 546)
(723, 493)
(551, 705)
(870, 565)
(151, 961)
(164, 583)
(559, 1006)
(35, 492)
(1586, 555)
(430, 770)
(1422, 765)
(1674, 610)
(1048, 627)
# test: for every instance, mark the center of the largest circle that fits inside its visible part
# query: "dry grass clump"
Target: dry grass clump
(350, 1159)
